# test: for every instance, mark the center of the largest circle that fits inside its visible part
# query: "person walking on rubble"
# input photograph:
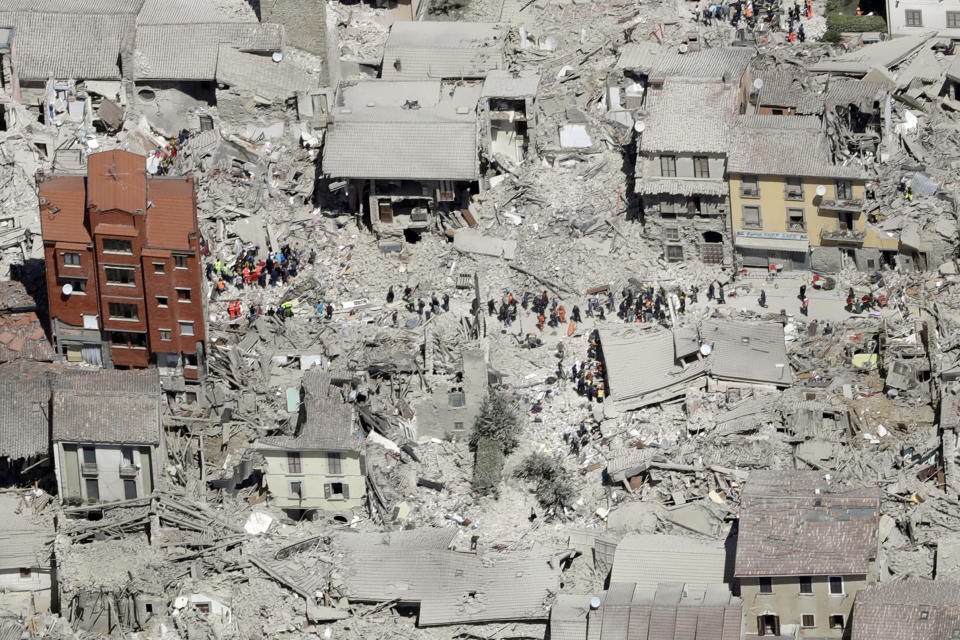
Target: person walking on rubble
(711, 292)
(801, 34)
(803, 292)
(575, 315)
(720, 297)
(763, 299)
(390, 295)
(805, 306)
(446, 303)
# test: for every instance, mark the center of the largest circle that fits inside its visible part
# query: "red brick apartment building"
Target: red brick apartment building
(122, 253)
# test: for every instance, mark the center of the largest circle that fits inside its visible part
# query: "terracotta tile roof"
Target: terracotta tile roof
(117, 180)
(21, 334)
(807, 523)
(648, 560)
(106, 416)
(63, 200)
(172, 217)
(911, 609)
(145, 381)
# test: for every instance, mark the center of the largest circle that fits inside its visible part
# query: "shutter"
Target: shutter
(327, 492)
(346, 491)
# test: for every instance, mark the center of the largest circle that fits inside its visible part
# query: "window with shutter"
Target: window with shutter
(327, 491)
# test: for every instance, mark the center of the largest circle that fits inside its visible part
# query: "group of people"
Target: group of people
(161, 160)
(588, 373)
(736, 11)
(248, 271)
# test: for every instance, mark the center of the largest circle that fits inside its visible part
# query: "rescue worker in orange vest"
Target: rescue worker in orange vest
(540, 321)
(562, 313)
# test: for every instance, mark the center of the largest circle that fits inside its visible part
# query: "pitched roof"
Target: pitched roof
(886, 53)
(63, 208)
(443, 49)
(173, 216)
(782, 152)
(759, 121)
(145, 381)
(21, 334)
(23, 543)
(64, 44)
(844, 91)
(805, 523)
(718, 64)
(652, 185)
(753, 352)
(648, 560)
(895, 610)
(261, 74)
(329, 421)
(506, 84)
(106, 417)
(174, 51)
(402, 150)
(689, 116)
(454, 587)
(668, 612)
(117, 180)
(639, 56)
(24, 411)
(424, 538)
(642, 368)
(417, 130)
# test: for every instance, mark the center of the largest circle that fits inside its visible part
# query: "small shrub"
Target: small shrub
(553, 483)
(487, 466)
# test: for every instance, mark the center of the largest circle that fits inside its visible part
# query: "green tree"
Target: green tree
(498, 420)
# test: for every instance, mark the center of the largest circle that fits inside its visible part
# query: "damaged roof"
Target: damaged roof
(688, 117)
(454, 587)
(909, 609)
(107, 406)
(260, 74)
(720, 64)
(21, 334)
(750, 352)
(887, 53)
(648, 560)
(24, 410)
(669, 611)
(415, 130)
(787, 90)
(328, 422)
(509, 84)
(805, 523)
(443, 49)
(642, 368)
(23, 544)
(782, 152)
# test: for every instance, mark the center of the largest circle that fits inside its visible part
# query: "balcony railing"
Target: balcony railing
(842, 235)
(852, 205)
(128, 471)
(89, 469)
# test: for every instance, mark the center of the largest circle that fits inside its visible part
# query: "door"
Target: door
(768, 625)
(129, 489)
(386, 212)
(92, 354)
(846, 221)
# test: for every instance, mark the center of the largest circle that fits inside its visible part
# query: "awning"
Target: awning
(776, 244)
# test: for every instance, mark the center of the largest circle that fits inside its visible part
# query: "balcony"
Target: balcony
(128, 471)
(850, 205)
(842, 235)
(89, 469)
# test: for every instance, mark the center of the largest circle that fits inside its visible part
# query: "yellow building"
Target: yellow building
(790, 205)
(321, 465)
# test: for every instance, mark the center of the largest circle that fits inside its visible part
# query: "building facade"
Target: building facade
(321, 465)
(681, 166)
(792, 207)
(106, 435)
(912, 17)
(806, 545)
(123, 266)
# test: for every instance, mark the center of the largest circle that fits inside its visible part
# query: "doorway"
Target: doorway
(712, 250)
(768, 625)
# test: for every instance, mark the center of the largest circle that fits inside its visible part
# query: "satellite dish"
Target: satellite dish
(705, 349)
(594, 602)
(639, 126)
(758, 84)
(277, 56)
(821, 190)
(684, 48)
(67, 289)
